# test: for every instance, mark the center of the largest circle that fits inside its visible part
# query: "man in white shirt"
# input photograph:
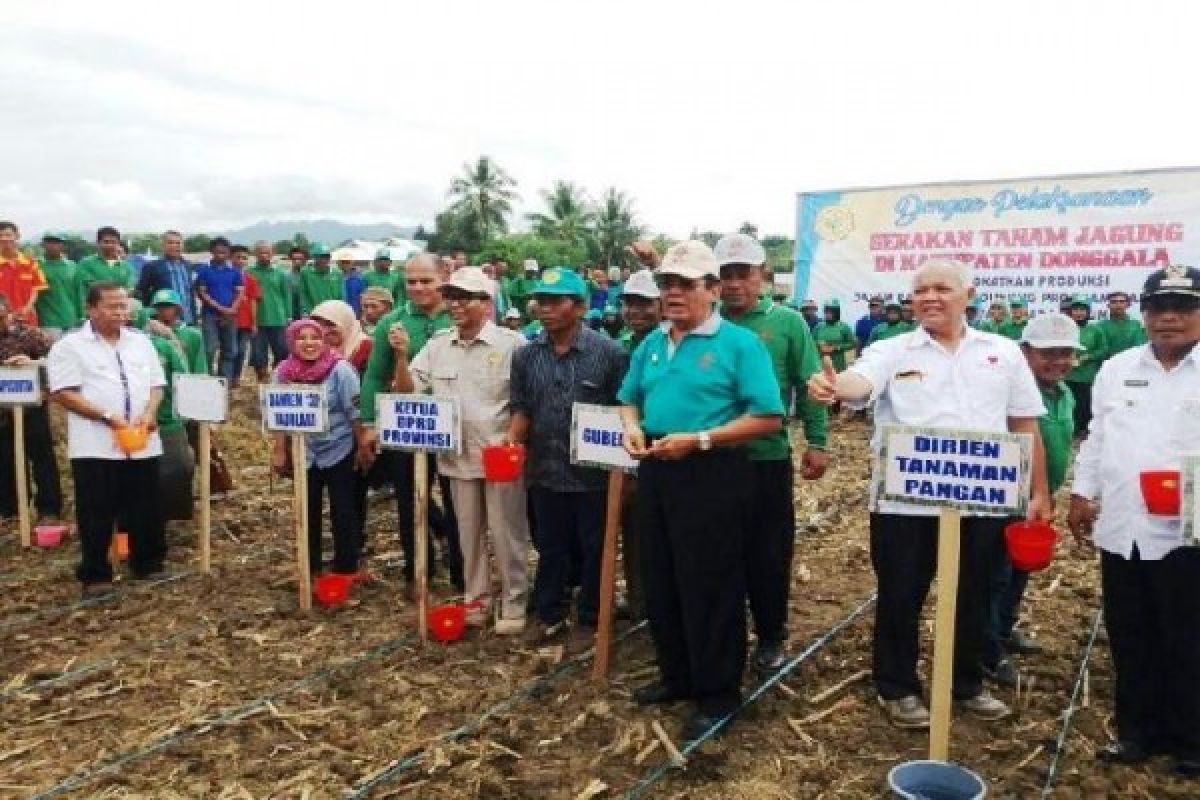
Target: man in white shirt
(942, 375)
(472, 361)
(108, 376)
(1146, 416)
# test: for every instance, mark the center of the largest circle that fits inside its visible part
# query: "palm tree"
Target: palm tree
(616, 225)
(569, 214)
(483, 197)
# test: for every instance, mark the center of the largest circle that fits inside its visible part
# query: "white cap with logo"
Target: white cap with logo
(690, 259)
(1051, 330)
(473, 280)
(641, 284)
(739, 248)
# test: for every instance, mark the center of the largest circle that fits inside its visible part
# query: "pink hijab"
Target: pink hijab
(295, 369)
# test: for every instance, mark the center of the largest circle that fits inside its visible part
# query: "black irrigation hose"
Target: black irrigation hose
(1071, 708)
(471, 728)
(21, 620)
(113, 763)
(666, 766)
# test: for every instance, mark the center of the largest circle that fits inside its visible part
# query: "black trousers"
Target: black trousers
(402, 475)
(904, 555)
(631, 551)
(106, 489)
(770, 543)
(1152, 611)
(691, 516)
(39, 455)
(1083, 406)
(340, 480)
(567, 522)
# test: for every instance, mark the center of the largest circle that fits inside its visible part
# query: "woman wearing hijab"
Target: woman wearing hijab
(343, 334)
(329, 457)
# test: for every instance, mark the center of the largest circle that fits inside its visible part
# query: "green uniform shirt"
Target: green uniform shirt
(794, 360)
(1119, 335)
(841, 336)
(532, 329)
(394, 281)
(317, 287)
(630, 340)
(1057, 428)
(887, 330)
(58, 305)
(195, 355)
(1091, 336)
(988, 325)
(274, 307)
(718, 372)
(382, 363)
(1012, 329)
(520, 290)
(93, 269)
(172, 363)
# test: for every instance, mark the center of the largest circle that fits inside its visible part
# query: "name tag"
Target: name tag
(1133, 384)
(909, 375)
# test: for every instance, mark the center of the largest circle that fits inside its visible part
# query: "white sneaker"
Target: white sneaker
(477, 616)
(509, 626)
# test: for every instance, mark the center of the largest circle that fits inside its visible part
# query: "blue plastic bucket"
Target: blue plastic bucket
(935, 780)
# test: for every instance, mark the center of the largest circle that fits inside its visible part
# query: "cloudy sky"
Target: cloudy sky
(212, 115)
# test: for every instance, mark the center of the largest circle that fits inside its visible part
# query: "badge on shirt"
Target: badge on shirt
(1136, 384)
(909, 375)
(705, 361)
(493, 359)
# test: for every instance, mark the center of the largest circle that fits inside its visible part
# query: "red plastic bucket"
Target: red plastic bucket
(50, 535)
(1030, 544)
(448, 622)
(1160, 491)
(503, 462)
(333, 588)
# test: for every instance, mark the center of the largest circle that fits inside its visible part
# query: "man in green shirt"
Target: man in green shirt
(384, 276)
(320, 282)
(997, 315)
(1018, 318)
(835, 338)
(1121, 331)
(893, 325)
(1050, 343)
(106, 265)
(409, 327)
(168, 310)
(58, 307)
(1087, 364)
(272, 311)
(744, 274)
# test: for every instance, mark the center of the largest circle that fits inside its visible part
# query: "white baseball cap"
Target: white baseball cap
(641, 284)
(512, 313)
(473, 280)
(1051, 330)
(739, 248)
(530, 265)
(690, 259)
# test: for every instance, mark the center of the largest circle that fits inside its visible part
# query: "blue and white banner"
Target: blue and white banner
(294, 408)
(418, 422)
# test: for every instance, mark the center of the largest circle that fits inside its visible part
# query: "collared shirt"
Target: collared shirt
(839, 336)
(545, 386)
(93, 269)
(916, 381)
(1093, 354)
(167, 273)
(715, 374)
(794, 359)
(478, 373)
(21, 280)
(1012, 329)
(170, 358)
(1058, 430)
(251, 294)
(1121, 334)
(221, 281)
(58, 306)
(116, 379)
(329, 448)
(382, 363)
(889, 329)
(274, 302)
(392, 280)
(1143, 418)
(317, 287)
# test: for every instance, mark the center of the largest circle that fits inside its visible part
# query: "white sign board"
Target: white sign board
(980, 471)
(200, 397)
(418, 422)
(598, 438)
(294, 408)
(1190, 472)
(20, 386)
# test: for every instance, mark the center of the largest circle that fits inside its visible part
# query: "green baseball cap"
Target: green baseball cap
(1018, 302)
(834, 303)
(1081, 300)
(318, 249)
(592, 314)
(54, 236)
(561, 281)
(383, 255)
(166, 297)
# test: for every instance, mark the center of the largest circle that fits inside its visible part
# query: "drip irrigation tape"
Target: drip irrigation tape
(1071, 708)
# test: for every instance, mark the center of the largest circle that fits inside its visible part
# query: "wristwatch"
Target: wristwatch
(705, 440)
(107, 418)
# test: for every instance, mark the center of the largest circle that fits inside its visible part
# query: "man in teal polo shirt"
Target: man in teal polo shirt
(744, 273)
(697, 389)
(272, 311)
(408, 328)
(320, 282)
(58, 306)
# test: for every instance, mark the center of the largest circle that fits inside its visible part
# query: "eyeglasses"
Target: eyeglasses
(1177, 303)
(736, 271)
(675, 282)
(458, 296)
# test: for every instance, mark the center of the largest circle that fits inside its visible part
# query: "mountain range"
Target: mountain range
(330, 231)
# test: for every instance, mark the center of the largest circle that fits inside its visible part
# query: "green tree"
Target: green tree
(616, 226)
(284, 246)
(142, 243)
(78, 247)
(749, 228)
(483, 197)
(196, 243)
(420, 234)
(569, 214)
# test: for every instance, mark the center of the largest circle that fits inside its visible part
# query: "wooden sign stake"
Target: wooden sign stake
(204, 444)
(300, 504)
(949, 541)
(421, 539)
(608, 574)
(24, 525)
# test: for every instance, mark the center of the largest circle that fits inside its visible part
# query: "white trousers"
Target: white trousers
(496, 511)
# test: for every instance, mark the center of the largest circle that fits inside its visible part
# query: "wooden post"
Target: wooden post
(949, 540)
(204, 445)
(608, 574)
(24, 525)
(421, 539)
(300, 504)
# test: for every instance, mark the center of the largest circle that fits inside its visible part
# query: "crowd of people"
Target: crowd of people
(706, 367)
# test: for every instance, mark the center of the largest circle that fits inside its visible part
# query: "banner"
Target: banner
(294, 408)
(1038, 239)
(20, 386)
(418, 422)
(598, 438)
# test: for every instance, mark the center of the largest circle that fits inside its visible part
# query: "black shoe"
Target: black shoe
(1019, 643)
(1125, 751)
(1187, 768)
(1003, 674)
(769, 657)
(700, 724)
(97, 589)
(657, 694)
